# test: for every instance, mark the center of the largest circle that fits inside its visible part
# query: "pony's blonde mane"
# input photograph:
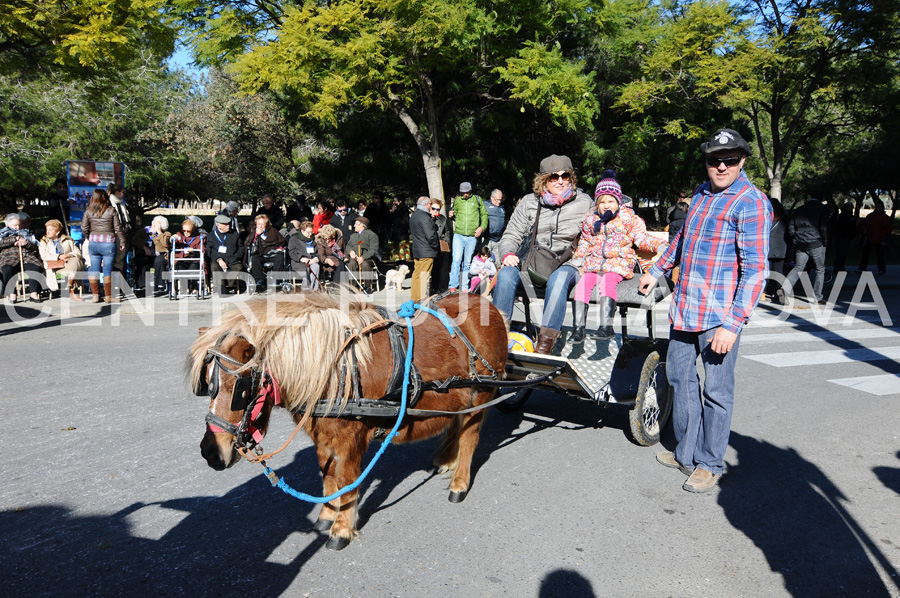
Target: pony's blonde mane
(297, 339)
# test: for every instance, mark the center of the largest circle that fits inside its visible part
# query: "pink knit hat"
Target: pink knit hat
(608, 185)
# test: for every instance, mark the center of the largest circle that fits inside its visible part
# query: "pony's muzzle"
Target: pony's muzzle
(218, 450)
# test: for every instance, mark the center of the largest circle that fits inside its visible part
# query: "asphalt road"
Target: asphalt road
(105, 492)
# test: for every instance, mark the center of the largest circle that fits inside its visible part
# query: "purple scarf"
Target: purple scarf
(553, 201)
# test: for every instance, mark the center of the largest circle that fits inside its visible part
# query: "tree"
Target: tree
(81, 37)
(785, 66)
(425, 61)
(49, 119)
(240, 145)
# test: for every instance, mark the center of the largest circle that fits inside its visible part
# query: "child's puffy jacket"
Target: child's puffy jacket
(611, 249)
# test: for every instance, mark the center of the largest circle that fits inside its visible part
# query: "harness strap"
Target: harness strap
(456, 330)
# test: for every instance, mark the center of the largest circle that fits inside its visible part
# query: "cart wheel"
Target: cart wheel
(514, 403)
(653, 403)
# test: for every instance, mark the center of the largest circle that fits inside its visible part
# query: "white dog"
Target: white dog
(394, 278)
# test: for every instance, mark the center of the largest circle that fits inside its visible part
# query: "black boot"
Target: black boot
(579, 321)
(607, 315)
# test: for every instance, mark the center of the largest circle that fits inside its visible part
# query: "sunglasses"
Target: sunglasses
(435, 209)
(556, 176)
(187, 231)
(728, 162)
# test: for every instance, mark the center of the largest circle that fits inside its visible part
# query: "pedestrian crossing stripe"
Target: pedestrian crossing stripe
(795, 336)
(882, 384)
(806, 358)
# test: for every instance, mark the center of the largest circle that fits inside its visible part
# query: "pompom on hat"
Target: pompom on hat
(608, 185)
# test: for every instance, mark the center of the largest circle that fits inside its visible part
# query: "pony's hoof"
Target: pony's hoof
(323, 525)
(457, 496)
(337, 543)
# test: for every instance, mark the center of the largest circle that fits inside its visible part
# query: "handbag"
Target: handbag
(445, 246)
(55, 264)
(540, 262)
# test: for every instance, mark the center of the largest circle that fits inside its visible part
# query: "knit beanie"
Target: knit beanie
(608, 186)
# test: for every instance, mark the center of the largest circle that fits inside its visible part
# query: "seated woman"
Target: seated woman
(330, 251)
(262, 244)
(561, 206)
(160, 238)
(605, 254)
(188, 245)
(57, 247)
(19, 250)
(304, 254)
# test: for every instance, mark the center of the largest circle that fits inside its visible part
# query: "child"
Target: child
(607, 235)
(482, 270)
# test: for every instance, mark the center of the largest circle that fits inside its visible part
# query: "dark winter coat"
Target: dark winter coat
(424, 235)
(809, 225)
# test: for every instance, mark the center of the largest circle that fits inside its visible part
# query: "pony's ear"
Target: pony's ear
(202, 331)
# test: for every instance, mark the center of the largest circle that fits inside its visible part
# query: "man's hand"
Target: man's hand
(478, 232)
(722, 341)
(359, 260)
(352, 255)
(646, 283)
(511, 260)
(450, 214)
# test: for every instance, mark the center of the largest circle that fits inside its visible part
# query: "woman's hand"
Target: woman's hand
(511, 260)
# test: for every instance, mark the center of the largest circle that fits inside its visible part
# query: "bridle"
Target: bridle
(252, 390)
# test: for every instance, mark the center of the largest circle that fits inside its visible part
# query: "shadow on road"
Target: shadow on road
(889, 476)
(220, 547)
(796, 516)
(565, 582)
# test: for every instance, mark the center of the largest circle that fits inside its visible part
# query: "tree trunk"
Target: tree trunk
(429, 147)
(433, 176)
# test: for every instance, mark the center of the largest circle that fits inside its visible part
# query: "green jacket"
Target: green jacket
(468, 214)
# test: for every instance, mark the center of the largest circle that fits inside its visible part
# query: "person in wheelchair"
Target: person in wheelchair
(304, 254)
(329, 247)
(224, 253)
(264, 251)
(188, 245)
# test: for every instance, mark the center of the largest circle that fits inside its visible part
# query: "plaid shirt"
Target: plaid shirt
(723, 251)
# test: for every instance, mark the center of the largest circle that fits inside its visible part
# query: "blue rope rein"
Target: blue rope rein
(406, 311)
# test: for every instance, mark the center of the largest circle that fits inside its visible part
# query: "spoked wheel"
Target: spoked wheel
(516, 402)
(653, 403)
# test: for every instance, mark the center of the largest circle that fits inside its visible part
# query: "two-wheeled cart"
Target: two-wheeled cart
(623, 370)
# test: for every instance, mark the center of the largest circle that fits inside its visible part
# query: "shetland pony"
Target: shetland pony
(302, 348)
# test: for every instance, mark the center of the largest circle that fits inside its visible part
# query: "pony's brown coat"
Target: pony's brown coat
(300, 346)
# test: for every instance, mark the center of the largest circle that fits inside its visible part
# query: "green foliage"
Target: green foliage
(81, 37)
(48, 120)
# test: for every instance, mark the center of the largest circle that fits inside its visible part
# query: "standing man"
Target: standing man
(362, 248)
(343, 220)
(470, 220)
(496, 220)
(723, 252)
(808, 229)
(271, 211)
(425, 247)
(225, 251)
(231, 210)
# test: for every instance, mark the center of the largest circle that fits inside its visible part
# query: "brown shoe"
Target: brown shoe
(108, 290)
(667, 458)
(701, 481)
(95, 290)
(73, 294)
(546, 341)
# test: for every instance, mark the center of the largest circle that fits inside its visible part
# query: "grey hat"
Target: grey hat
(231, 206)
(196, 220)
(554, 163)
(725, 139)
(222, 219)
(465, 187)
(23, 216)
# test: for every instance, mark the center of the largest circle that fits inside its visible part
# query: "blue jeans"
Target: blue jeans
(817, 256)
(101, 252)
(556, 297)
(463, 250)
(702, 420)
